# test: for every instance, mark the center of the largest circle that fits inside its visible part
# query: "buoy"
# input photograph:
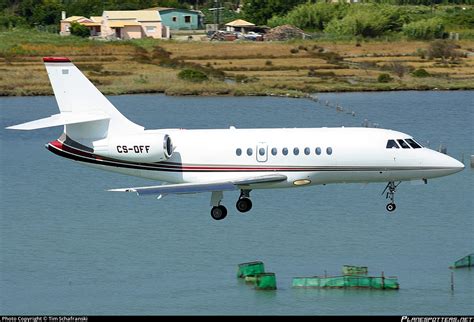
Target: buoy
(265, 281)
(250, 269)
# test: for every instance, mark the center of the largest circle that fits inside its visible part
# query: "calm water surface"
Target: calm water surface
(69, 247)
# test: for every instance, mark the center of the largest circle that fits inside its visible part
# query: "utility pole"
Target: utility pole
(216, 10)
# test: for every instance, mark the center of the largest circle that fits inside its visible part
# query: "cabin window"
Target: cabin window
(187, 19)
(261, 151)
(249, 151)
(391, 144)
(174, 19)
(318, 150)
(307, 151)
(274, 151)
(296, 151)
(284, 151)
(329, 150)
(403, 144)
(238, 152)
(413, 143)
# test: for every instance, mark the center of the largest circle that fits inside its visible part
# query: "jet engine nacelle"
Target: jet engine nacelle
(138, 148)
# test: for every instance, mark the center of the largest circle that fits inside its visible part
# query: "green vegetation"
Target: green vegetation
(420, 72)
(79, 30)
(192, 75)
(424, 29)
(372, 19)
(384, 78)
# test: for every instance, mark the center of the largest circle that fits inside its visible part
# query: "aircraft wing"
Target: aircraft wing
(183, 188)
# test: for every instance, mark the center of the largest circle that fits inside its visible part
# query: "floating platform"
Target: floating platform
(466, 261)
(348, 281)
(250, 269)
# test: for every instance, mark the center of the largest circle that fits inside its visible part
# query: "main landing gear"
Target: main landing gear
(219, 212)
(244, 204)
(391, 189)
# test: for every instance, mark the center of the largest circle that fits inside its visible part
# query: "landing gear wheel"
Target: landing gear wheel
(219, 212)
(243, 204)
(391, 207)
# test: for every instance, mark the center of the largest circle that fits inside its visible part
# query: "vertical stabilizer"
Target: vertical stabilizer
(75, 94)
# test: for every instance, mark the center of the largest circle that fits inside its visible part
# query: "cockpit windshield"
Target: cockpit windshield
(413, 143)
(404, 143)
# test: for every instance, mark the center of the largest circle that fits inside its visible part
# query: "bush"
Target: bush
(384, 78)
(424, 29)
(192, 75)
(79, 30)
(442, 49)
(420, 72)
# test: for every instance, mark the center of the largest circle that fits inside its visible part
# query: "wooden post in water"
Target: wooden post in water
(383, 281)
(452, 282)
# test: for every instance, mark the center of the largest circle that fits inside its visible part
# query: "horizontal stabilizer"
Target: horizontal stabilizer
(60, 119)
(183, 188)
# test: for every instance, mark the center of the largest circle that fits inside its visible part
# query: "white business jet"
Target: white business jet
(191, 161)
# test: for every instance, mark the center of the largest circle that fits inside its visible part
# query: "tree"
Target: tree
(424, 29)
(259, 11)
(79, 30)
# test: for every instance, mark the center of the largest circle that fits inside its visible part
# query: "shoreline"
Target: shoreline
(310, 96)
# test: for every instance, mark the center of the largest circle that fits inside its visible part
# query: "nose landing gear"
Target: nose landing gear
(391, 189)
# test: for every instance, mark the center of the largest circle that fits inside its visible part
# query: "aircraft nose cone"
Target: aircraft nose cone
(454, 164)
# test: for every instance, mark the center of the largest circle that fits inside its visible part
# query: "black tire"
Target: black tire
(219, 212)
(243, 204)
(391, 207)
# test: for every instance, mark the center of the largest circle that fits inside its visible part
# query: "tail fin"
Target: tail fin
(84, 110)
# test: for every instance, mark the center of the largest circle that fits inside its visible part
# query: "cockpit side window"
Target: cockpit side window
(403, 144)
(391, 144)
(413, 143)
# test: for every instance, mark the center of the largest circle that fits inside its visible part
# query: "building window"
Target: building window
(174, 19)
(238, 152)
(249, 151)
(150, 29)
(187, 19)
(318, 150)
(329, 150)
(274, 151)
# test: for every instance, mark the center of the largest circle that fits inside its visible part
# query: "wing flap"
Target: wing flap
(60, 119)
(184, 188)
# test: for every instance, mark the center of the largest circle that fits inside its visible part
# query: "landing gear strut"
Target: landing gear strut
(244, 204)
(391, 189)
